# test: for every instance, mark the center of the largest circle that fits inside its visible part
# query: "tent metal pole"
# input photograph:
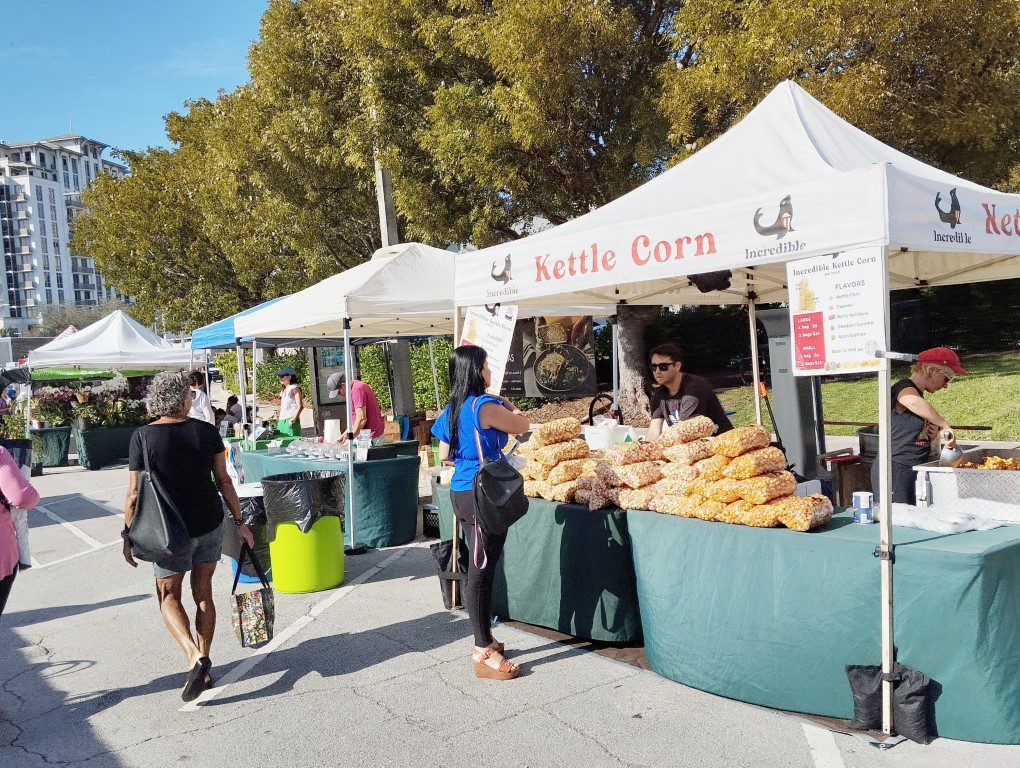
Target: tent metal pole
(615, 330)
(456, 327)
(208, 384)
(435, 377)
(755, 368)
(885, 507)
(242, 383)
(349, 379)
(254, 389)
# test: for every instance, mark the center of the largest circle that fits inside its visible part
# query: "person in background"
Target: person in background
(219, 415)
(185, 455)
(494, 419)
(291, 403)
(915, 422)
(234, 412)
(17, 493)
(364, 408)
(201, 408)
(678, 396)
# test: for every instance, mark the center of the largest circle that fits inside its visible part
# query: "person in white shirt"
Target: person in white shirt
(201, 408)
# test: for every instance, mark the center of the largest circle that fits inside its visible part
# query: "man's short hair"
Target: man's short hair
(670, 349)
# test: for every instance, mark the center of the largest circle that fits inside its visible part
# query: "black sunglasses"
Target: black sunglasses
(661, 366)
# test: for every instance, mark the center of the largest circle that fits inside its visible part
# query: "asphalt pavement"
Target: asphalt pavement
(372, 673)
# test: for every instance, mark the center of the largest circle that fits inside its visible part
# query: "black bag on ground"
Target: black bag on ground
(912, 702)
(442, 552)
(499, 492)
(157, 528)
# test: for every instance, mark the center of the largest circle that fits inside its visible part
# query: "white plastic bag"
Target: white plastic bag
(20, 518)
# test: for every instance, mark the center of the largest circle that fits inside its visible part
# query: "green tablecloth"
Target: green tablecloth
(566, 568)
(385, 492)
(773, 616)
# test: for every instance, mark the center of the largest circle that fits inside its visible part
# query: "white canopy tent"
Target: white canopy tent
(791, 180)
(115, 342)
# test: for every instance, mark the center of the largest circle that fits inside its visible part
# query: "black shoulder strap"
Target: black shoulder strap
(145, 450)
(246, 551)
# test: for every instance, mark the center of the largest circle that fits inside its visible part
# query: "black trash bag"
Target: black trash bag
(442, 551)
(912, 701)
(302, 498)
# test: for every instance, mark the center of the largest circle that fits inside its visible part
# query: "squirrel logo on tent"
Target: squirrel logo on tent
(952, 216)
(782, 224)
(501, 276)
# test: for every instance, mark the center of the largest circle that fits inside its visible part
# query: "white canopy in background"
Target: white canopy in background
(403, 290)
(115, 342)
(790, 180)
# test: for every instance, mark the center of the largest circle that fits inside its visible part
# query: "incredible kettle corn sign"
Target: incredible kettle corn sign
(836, 312)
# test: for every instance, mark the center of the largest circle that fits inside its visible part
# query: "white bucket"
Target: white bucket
(331, 430)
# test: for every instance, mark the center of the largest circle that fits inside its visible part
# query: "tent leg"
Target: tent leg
(208, 384)
(242, 383)
(615, 330)
(885, 506)
(349, 377)
(254, 389)
(456, 327)
(435, 378)
(755, 368)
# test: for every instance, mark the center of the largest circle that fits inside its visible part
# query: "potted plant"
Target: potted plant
(51, 440)
(104, 423)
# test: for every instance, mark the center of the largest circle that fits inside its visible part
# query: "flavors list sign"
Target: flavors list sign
(492, 329)
(836, 312)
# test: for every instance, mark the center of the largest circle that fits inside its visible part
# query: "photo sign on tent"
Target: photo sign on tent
(837, 312)
(552, 356)
(491, 327)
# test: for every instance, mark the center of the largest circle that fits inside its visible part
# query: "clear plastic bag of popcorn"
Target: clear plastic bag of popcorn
(599, 498)
(585, 483)
(802, 513)
(582, 496)
(740, 440)
(764, 488)
(563, 492)
(745, 513)
(588, 468)
(535, 488)
(754, 463)
(686, 431)
(566, 471)
(535, 471)
(679, 471)
(556, 431)
(633, 453)
(551, 455)
(607, 473)
(713, 467)
(638, 475)
(689, 453)
(628, 498)
(675, 486)
(701, 508)
(723, 490)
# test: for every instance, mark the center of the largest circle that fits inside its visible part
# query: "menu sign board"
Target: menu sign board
(492, 329)
(552, 356)
(837, 312)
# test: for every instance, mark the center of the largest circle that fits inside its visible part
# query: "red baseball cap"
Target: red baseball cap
(942, 356)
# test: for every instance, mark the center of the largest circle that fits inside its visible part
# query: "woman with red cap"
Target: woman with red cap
(915, 422)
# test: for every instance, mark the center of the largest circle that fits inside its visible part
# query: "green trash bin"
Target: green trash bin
(304, 511)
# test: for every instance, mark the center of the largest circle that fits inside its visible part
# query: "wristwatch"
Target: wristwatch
(238, 521)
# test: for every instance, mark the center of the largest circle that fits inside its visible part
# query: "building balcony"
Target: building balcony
(26, 268)
(20, 216)
(23, 233)
(23, 250)
(73, 200)
(20, 197)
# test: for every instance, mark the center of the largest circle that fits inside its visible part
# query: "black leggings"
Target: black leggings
(903, 480)
(5, 588)
(478, 591)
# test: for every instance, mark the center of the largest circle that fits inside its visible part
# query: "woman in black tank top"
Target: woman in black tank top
(914, 422)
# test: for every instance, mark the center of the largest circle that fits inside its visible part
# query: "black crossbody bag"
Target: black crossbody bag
(157, 529)
(499, 495)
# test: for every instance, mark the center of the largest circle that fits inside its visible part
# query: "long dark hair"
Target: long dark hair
(465, 381)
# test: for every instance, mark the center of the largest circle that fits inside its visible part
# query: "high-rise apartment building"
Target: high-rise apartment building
(40, 195)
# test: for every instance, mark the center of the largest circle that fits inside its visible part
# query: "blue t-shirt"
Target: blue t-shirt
(465, 458)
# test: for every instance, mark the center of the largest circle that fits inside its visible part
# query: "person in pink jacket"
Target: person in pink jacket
(17, 493)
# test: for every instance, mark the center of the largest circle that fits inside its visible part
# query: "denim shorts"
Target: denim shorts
(204, 549)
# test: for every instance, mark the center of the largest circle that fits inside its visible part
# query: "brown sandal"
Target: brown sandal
(494, 645)
(506, 670)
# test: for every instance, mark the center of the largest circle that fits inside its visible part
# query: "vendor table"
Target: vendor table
(772, 616)
(565, 568)
(385, 492)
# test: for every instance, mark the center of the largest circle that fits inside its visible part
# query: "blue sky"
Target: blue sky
(116, 67)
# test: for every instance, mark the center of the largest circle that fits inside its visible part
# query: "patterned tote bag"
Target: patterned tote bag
(252, 613)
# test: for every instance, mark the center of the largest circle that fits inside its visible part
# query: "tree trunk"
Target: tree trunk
(633, 321)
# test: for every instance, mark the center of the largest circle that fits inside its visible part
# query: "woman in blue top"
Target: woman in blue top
(494, 418)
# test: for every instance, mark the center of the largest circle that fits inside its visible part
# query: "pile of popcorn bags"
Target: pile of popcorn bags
(560, 464)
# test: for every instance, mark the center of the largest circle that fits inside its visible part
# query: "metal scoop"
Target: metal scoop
(950, 457)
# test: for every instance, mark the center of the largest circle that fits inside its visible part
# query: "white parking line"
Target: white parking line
(71, 527)
(281, 637)
(824, 750)
(75, 556)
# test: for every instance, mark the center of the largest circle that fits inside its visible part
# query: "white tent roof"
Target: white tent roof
(115, 342)
(720, 209)
(403, 290)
